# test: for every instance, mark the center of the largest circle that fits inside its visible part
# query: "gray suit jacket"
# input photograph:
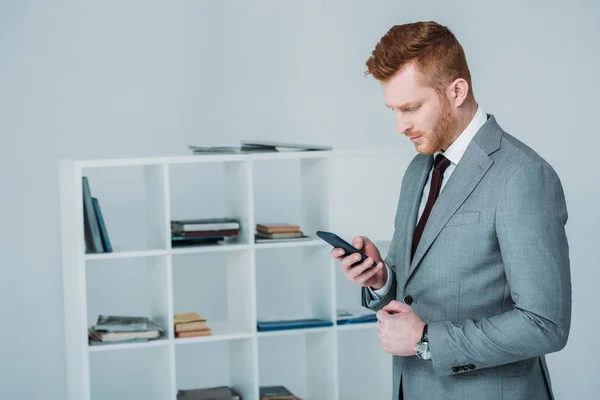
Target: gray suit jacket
(490, 276)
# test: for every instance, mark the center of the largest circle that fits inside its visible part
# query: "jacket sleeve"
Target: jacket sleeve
(530, 225)
(373, 303)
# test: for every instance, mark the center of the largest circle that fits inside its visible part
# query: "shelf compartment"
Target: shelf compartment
(223, 363)
(131, 287)
(212, 190)
(133, 205)
(374, 380)
(294, 283)
(135, 373)
(219, 287)
(304, 364)
(294, 192)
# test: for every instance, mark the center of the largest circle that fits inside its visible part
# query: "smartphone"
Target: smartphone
(337, 241)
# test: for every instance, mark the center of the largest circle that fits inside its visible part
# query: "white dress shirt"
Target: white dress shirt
(454, 153)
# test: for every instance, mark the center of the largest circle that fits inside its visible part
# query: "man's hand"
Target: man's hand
(363, 274)
(400, 329)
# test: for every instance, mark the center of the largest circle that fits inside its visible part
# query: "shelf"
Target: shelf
(126, 346)
(125, 254)
(209, 249)
(221, 331)
(232, 284)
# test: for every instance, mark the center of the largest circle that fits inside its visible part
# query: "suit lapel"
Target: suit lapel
(468, 173)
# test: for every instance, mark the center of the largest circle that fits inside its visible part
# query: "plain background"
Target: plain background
(109, 79)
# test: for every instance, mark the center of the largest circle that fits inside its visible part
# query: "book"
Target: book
(194, 333)
(280, 235)
(355, 317)
(115, 328)
(275, 393)
(260, 239)
(102, 226)
(211, 393)
(93, 238)
(279, 146)
(191, 321)
(284, 324)
(182, 318)
(121, 323)
(277, 227)
(204, 224)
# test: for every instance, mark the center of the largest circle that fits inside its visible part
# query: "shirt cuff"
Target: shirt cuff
(379, 294)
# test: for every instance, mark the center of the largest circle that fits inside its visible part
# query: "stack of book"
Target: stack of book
(254, 146)
(212, 393)
(191, 324)
(120, 328)
(276, 393)
(186, 232)
(278, 232)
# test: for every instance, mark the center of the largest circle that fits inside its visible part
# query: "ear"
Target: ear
(457, 92)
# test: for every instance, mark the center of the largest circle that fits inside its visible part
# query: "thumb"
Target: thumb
(396, 307)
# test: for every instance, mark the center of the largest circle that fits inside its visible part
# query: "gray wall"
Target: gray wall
(142, 78)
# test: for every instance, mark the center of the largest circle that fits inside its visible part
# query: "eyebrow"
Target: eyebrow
(405, 105)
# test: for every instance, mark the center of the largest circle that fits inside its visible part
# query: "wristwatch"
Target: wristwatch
(422, 347)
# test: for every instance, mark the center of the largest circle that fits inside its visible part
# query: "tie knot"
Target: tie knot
(441, 163)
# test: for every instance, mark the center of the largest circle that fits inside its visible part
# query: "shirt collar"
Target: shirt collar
(457, 149)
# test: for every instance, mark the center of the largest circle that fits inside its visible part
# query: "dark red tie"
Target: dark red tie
(441, 163)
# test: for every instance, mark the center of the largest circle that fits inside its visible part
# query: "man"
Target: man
(475, 288)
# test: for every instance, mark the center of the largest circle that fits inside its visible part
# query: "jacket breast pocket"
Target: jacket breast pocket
(465, 218)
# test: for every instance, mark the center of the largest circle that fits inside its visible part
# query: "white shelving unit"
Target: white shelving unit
(349, 192)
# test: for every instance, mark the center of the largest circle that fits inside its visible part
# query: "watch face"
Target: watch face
(423, 350)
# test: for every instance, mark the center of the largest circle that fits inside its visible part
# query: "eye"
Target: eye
(411, 109)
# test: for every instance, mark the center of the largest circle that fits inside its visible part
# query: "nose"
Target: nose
(402, 124)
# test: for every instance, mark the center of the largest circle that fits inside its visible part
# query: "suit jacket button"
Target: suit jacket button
(471, 366)
(455, 369)
(408, 299)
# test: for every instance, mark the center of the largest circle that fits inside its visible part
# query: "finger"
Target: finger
(396, 307)
(382, 315)
(359, 269)
(369, 273)
(337, 252)
(358, 242)
(350, 260)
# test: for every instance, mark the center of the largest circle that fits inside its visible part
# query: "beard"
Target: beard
(442, 133)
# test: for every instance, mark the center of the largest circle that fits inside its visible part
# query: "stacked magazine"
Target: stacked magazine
(120, 328)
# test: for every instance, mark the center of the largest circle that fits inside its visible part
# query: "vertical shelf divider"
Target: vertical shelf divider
(252, 266)
(74, 281)
(166, 223)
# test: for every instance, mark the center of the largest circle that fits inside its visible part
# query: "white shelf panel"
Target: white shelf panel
(208, 158)
(127, 346)
(299, 331)
(210, 249)
(369, 395)
(126, 254)
(220, 331)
